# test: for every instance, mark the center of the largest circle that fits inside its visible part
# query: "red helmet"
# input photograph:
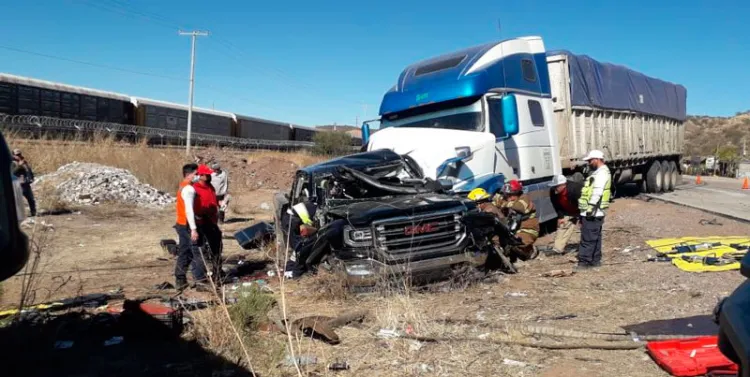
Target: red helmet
(513, 187)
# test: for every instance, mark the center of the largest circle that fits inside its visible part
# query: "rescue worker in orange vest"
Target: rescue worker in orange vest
(187, 230)
(517, 206)
(206, 208)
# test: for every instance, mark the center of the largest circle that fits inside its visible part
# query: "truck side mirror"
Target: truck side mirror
(14, 244)
(510, 115)
(365, 133)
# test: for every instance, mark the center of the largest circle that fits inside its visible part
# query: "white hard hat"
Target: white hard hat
(558, 180)
(595, 154)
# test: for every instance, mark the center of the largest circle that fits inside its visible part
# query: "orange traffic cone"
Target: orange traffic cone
(746, 184)
(698, 180)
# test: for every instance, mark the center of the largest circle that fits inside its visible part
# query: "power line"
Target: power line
(126, 70)
(123, 7)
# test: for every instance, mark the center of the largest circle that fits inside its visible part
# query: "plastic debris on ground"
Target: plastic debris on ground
(290, 361)
(690, 357)
(516, 294)
(388, 334)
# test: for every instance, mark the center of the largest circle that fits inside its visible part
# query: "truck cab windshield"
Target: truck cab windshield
(465, 118)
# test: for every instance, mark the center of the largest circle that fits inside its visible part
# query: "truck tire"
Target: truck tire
(654, 178)
(666, 173)
(675, 178)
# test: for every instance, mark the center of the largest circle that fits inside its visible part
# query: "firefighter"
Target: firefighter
(514, 204)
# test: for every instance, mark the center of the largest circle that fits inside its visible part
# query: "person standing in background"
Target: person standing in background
(22, 170)
(220, 182)
(206, 209)
(592, 204)
(187, 231)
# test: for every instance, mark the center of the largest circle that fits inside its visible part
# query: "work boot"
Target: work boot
(582, 267)
(181, 284)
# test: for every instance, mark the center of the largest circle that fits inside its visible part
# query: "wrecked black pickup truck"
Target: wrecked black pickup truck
(392, 220)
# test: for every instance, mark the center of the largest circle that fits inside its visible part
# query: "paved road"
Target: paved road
(720, 196)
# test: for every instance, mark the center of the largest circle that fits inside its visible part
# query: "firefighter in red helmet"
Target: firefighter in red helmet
(518, 207)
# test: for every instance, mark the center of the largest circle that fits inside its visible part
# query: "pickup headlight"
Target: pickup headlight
(357, 237)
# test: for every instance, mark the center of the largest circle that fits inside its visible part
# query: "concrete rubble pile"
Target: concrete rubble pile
(90, 184)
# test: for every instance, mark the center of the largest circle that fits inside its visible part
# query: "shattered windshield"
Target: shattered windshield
(462, 117)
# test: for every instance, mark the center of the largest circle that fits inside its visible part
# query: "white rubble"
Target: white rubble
(90, 184)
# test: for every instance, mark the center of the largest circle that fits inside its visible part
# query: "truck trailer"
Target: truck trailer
(512, 110)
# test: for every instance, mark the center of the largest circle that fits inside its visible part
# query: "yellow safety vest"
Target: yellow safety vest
(588, 190)
(301, 210)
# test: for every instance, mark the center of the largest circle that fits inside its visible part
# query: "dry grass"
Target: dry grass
(159, 167)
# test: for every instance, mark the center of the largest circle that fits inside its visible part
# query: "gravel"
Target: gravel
(91, 184)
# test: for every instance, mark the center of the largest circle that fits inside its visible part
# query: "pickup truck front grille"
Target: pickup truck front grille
(422, 234)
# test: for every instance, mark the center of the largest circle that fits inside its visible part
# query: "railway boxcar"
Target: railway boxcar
(172, 116)
(27, 96)
(303, 133)
(262, 129)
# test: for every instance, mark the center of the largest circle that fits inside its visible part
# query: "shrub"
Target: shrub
(332, 143)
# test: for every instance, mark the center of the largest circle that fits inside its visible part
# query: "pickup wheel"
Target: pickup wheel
(654, 177)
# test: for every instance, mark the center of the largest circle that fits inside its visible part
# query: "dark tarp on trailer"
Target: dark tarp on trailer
(615, 87)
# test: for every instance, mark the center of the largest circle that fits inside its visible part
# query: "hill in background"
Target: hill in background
(703, 134)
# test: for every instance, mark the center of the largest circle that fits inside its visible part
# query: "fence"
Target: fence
(41, 126)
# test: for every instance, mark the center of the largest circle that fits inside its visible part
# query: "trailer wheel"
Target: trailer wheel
(666, 181)
(654, 178)
(675, 178)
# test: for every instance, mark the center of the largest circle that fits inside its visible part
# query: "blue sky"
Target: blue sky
(322, 62)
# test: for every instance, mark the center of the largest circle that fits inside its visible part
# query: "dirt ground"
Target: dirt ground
(108, 248)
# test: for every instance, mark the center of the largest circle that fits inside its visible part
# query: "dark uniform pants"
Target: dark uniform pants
(590, 251)
(197, 255)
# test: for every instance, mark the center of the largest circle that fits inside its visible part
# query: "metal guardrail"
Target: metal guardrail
(42, 123)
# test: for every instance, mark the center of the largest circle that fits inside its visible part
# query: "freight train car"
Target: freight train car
(171, 116)
(301, 133)
(26, 96)
(262, 129)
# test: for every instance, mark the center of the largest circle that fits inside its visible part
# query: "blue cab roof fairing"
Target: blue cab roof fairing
(444, 78)
(615, 87)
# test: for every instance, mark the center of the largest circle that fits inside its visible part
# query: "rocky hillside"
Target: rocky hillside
(704, 133)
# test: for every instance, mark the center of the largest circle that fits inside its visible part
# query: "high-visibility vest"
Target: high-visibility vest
(181, 215)
(301, 210)
(588, 190)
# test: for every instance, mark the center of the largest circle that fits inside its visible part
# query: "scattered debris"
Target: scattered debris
(415, 346)
(164, 286)
(558, 273)
(265, 206)
(516, 294)
(388, 334)
(90, 184)
(290, 361)
(339, 365)
(515, 363)
(713, 221)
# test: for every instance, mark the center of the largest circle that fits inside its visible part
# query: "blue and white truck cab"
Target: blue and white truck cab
(511, 110)
(477, 116)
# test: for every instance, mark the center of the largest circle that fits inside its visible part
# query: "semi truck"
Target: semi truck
(512, 110)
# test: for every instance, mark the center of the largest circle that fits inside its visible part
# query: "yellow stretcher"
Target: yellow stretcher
(665, 246)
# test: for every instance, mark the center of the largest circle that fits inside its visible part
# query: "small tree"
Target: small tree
(332, 143)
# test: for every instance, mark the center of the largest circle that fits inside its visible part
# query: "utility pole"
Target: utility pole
(192, 34)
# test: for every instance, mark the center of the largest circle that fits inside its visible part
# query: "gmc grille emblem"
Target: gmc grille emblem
(420, 229)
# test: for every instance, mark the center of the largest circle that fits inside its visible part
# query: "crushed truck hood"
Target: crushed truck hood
(430, 147)
(363, 213)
